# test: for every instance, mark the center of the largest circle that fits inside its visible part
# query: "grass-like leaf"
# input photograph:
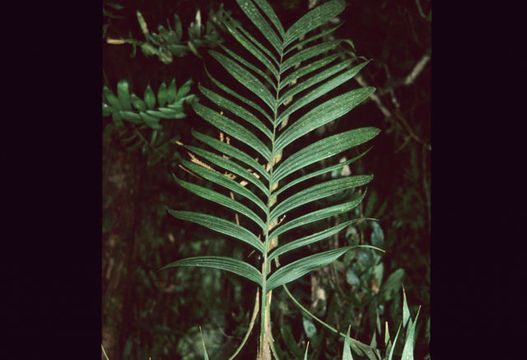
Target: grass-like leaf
(408, 349)
(406, 310)
(205, 354)
(346, 351)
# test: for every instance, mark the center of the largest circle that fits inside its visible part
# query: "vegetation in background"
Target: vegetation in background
(157, 314)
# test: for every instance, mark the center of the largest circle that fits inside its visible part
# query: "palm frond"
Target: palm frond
(288, 77)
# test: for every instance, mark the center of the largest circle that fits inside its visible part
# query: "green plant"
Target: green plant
(390, 344)
(138, 121)
(110, 11)
(407, 324)
(288, 100)
(168, 42)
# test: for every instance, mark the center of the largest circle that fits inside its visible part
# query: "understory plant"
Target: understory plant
(137, 121)
(270, 164)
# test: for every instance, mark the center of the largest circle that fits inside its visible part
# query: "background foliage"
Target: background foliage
(156, 314)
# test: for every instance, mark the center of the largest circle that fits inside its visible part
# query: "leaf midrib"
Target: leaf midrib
(271, 169)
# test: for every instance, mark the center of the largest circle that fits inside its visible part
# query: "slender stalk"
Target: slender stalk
(104, 352)
(265, 323)
(251, 324)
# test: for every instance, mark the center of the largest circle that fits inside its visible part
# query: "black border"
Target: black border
(478, 182)
(52, 183)
(52, 148)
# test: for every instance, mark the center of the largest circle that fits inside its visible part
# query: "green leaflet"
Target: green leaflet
(151, 121)
(261, 24)
(316, 216)
(138, 103)
(262, 48)
(321, 115)
(311, 39)
(228, 165)
(222, 263)
(312, 81)
(304, 70)
(268, 10)
(245, 78)
(150, 98)
(321, 235)
(171, 91)
(325, 88)
(225, 181)
(299, 268)
(131, 116)
(220, 225)
(124, 94)
(313, 19)
(111, 99)
(236, 109)
(162, 94)
(230, 150)
(320, 172)
(232, 128)
(256, 49)
(239, 97)
(318, 191)
(324, 149)
(184, 89)
(221, 199)
(309, 53)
